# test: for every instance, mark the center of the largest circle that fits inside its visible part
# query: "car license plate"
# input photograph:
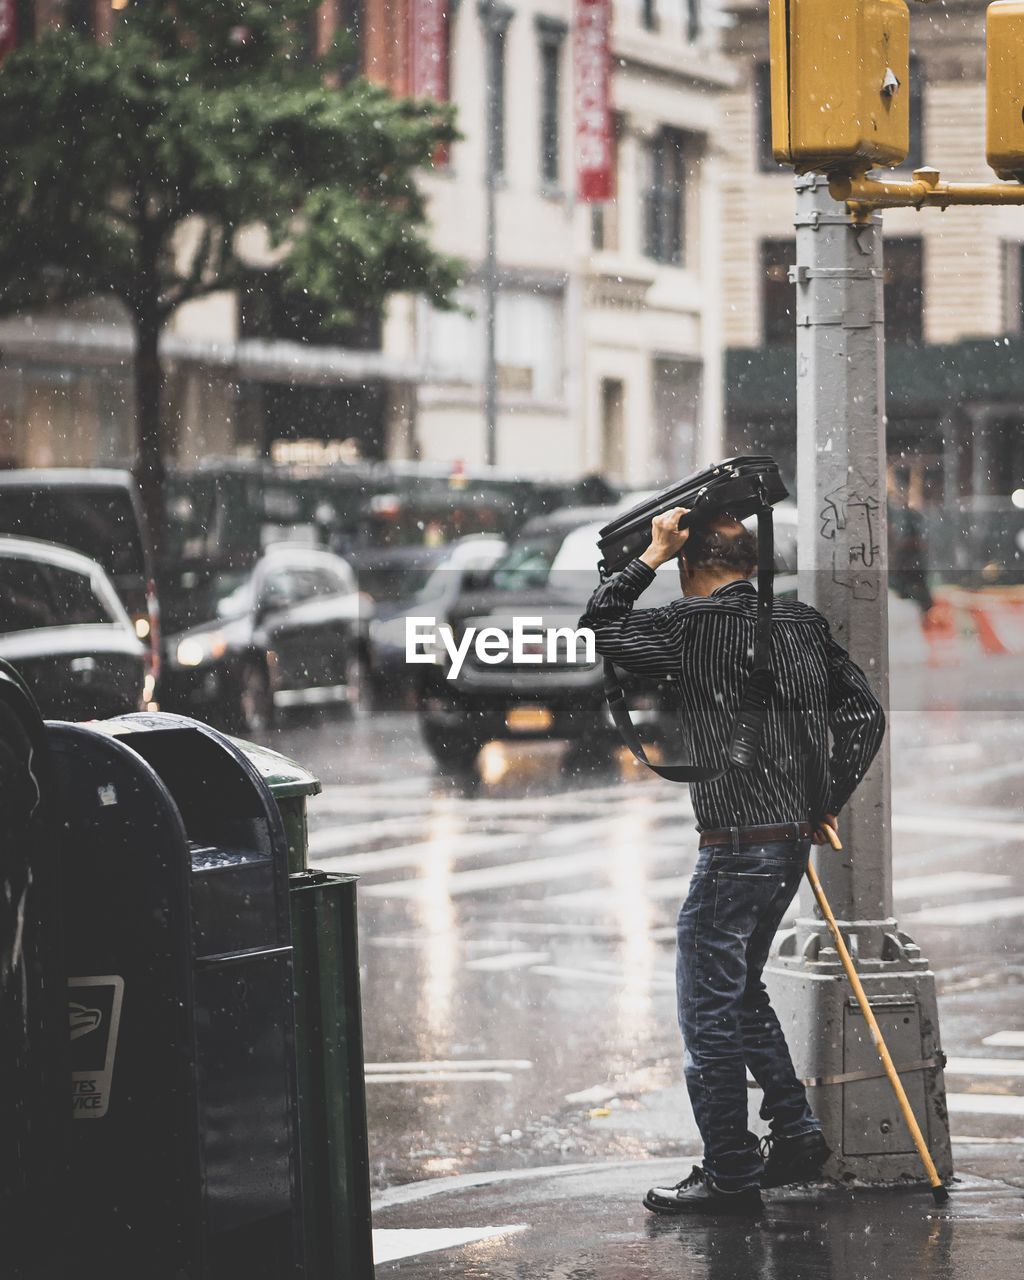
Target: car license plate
(529, 719)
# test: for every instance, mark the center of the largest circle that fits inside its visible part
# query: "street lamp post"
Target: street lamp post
(494, 21)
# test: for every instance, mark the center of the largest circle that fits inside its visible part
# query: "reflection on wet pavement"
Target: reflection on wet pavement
(527, 916)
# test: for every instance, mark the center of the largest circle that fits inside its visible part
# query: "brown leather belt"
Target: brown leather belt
(743, 837)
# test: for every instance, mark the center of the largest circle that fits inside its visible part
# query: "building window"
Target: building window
(904, 289)
(495, 28)
(1013, 295)
(551, 36)
(649, 15)
(694, 23)
(664, 203)
(677, 401)
(778, 296)
(530, 344)
(604, 226)
(915, 156)
(613, 415)
(766, 162)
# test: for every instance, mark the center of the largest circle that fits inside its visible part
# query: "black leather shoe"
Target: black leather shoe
(790, 1160)
(698, 1193)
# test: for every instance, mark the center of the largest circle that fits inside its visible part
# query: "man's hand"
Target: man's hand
(667, 539)
(820, 836)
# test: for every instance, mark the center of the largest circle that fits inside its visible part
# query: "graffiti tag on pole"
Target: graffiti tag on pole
(851, 519)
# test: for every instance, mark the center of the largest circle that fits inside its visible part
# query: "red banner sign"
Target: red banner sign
(8, 27)
(428, 49)
(595, 146)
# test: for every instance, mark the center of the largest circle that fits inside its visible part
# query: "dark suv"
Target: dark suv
(548, 573)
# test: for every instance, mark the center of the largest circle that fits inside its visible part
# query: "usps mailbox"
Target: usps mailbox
(178, 939)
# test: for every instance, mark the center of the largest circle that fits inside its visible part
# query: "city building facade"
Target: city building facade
(955, 360)
(608, 319)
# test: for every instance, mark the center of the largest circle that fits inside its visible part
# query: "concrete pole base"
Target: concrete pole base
(832, 1050)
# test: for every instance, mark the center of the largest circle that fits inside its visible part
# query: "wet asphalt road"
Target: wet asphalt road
(517, 936)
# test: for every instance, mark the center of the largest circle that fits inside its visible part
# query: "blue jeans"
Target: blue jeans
(736, 902)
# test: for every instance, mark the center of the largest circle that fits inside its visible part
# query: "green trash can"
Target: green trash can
(291, 786)
(333, 1140)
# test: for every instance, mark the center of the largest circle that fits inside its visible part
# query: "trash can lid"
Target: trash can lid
(284, 777)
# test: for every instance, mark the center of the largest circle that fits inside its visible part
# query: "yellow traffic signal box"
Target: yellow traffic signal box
(840, 73)
(1004, 75)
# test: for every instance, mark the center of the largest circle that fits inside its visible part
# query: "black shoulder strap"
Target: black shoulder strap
(749, 723)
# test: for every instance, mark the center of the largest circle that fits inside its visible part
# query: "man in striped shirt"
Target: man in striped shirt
(756, 828)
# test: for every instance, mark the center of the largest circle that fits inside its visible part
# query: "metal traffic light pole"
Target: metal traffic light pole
(841, 474)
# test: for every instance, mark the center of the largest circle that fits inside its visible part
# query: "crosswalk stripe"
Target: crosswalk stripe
(1007, 1067)
(468, 1064)
(948, 882)
(413, 855)
(1005, 1040)
(438, 1077)
(661, 980)
(964, 913)
(949, 825)
(534, 871)
(389, 1245)
(512, 960)
(985, 1104)
(462, 845)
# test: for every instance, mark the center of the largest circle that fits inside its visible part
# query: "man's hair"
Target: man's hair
(721, 550)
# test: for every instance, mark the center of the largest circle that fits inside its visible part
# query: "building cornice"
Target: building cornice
(690, 65)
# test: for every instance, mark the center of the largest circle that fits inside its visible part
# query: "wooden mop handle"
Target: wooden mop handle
(869, 1018)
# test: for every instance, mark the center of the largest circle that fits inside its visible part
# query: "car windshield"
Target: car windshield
(100, 522)
(569, 562)
(527, 563)
(193, 597)
(34, 594)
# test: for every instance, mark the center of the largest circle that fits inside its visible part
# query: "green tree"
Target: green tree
(133, 168)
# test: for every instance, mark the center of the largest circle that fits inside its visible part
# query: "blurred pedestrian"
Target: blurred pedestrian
(908, 575)
(756, 829)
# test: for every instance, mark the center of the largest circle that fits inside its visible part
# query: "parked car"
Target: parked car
(66, 631)
(96, 512)
(413, 581)
(290, 632)
(548, 572)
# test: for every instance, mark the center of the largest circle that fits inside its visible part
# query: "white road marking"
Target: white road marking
(1005, 1040)
(512, 960)
(961, 1139)
(948, 882)
(946, 824)
(675, 887)
(654, 891)
(438, 1077)
(533, 871)
(463, 845)
(390, 1245)
(962, 913)
(411, 855)
(660, 980)
(985, 1104)
(474, 1064)
(985, 1066)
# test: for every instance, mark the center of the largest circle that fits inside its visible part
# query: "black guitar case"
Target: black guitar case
(741, 487)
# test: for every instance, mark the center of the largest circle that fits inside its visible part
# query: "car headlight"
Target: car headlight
(193, 651)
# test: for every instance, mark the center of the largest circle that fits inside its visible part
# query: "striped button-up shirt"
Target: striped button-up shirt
(706, 646)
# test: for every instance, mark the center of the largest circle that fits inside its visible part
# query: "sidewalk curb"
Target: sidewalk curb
(410, 1192)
